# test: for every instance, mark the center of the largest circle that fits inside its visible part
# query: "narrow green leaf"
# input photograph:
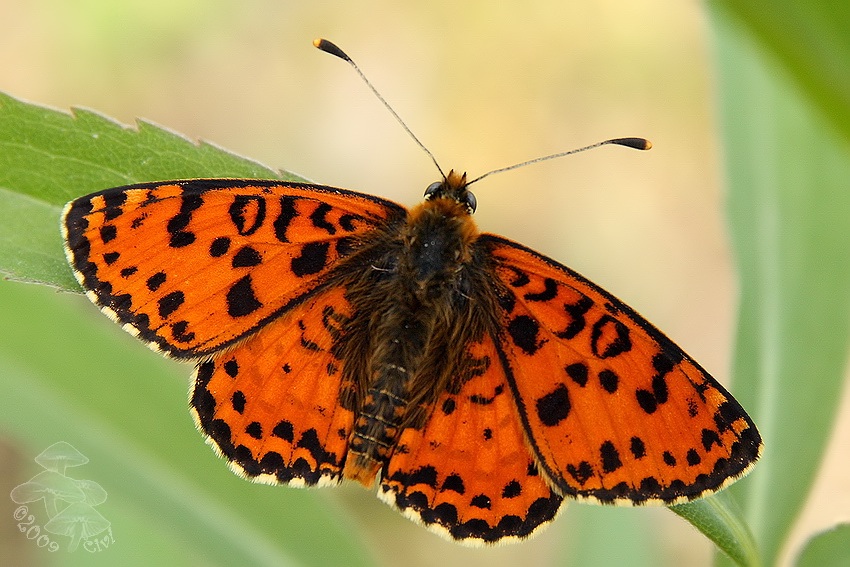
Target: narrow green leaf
(830, 548)
(811, 41)
(788, 167)
(720, 519)
(48, 157)
(30, 243)
(589, 533)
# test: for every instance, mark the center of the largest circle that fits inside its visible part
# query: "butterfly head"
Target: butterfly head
(454, 187)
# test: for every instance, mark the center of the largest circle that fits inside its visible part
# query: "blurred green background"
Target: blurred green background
(483, 85)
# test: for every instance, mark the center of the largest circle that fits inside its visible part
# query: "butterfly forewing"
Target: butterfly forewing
(614, 411)
(193, 266)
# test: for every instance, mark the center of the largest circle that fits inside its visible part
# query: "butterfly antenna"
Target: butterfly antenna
(333, 49)
(636, 143)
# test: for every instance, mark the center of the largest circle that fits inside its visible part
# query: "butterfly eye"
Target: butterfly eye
(433, 188)
(471, 202)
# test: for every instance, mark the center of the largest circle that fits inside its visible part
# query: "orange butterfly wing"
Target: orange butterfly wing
(191, 267)
(467, 473)
(612, 409)
(271, 406)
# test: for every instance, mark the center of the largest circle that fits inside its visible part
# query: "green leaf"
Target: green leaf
(830, 548)
(811, 40)
(48, 157)
(30, 243)
(719, 518)
(788, 166)
(589, 533)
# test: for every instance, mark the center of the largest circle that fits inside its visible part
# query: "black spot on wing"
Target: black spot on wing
(313, 258)
(726, 414)
(659, 389)
(310, 441)
(693, 457)
(553, 407)
(577, 322)
(241, 299)
(247, 213)
(180, 332)
(231, 368)
(246, 257)
(637, 447)
(179, 237)
(346, 222)
(255, 430)
(578, 372)
(238, 400)
(646, 401)
(168, 304)
(284, 430)
(549, 292)
(448, 406)
(478, 399)
(523, 331)
(108, 232)
(609, 337)
(285, 218)
(453, 483)
(481, 501)
(664, 362)
(581, 473)
(155, 281)
(610, 457)
(319, 218)
(426, 475)
(219, 246)
(709, 439)
(121, 303)
(521, 279)
(609, 381)
(113, 201)
(512, 489)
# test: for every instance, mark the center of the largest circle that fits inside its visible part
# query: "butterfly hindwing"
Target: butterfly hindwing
(192, 266)
(614, 411)
(467, 473)
(271, 406)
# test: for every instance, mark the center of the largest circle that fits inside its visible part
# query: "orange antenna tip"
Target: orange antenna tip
(636, 143)
(330, 47)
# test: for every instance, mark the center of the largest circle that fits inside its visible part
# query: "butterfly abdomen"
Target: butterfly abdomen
(386, 401)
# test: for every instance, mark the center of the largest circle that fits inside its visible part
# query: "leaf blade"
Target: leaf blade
(787, 166)
(48, 157)
(720, 519)
(829, 548)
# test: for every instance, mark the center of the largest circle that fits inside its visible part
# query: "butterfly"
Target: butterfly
(338, 335)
